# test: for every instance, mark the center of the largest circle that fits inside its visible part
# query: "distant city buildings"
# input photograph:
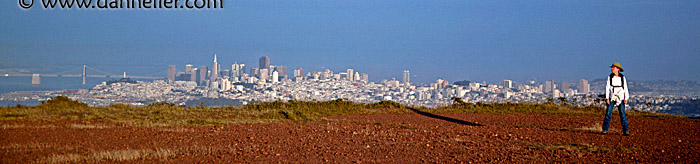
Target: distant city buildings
(406, 77)
(171, 73)
(282, 71)
(350, 74)
(270, 83)
(188, 68)
(215, 69)
(507, 84)
(298, 74)
(549, 87)
(565, 86)
(264, 62)
(584, 87)
(202, 76)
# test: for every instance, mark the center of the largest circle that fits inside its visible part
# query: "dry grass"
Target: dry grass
(26, 147)
(47, 126)
(32, 147)
(84, 126)
(595, 128)
(13, 126)
(128, 155)
(165, 114)
(114, 155)
(21, 126)
(177, 130)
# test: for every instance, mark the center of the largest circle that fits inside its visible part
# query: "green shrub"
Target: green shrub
(62, 102)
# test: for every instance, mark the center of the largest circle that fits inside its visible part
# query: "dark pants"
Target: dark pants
(623, 117)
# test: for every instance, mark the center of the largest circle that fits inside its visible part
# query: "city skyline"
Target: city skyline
(265, 61)
(470, 40)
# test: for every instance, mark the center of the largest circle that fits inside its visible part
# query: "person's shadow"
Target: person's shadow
(444, 118)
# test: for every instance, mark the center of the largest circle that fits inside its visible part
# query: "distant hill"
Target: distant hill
(654, 88)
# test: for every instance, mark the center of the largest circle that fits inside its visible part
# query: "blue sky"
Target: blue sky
(454, 40)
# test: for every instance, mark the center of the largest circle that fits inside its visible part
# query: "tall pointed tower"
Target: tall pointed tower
(214, 69)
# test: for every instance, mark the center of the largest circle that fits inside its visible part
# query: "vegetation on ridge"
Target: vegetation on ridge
(63, 108)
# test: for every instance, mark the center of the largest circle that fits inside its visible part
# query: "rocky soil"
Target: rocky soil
(376, 138)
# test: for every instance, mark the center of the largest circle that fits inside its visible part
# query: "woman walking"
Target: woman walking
(616, 93)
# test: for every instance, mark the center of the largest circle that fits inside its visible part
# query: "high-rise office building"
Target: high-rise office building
(214, 69)
(548, 86)
(565, 86)
(171, 73)
(356, 77)
(507, 84)
(299, 74)
(202, 75)
(242, 71)
(349, 75)
(275, 76)
(264, 74)
(193, 74)
(406, 76)
(225, 73)
(364, 77)
(188, 68)
(282, 71)
(584, 87)
(264, 62)
(236, 70)
(255, 72)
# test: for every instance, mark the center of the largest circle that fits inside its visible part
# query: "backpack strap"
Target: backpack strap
(622, 79)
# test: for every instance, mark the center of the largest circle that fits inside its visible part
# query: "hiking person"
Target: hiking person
(616, 94)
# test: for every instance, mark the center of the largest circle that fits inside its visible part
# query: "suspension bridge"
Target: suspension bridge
(36, 77)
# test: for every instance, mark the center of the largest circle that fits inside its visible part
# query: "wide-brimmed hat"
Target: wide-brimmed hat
(618, 65)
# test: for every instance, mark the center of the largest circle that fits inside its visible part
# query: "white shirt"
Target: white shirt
(616, 93)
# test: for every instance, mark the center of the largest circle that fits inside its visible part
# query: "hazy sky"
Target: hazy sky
(453, 40)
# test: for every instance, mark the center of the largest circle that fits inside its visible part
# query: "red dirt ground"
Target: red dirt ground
(377, 138)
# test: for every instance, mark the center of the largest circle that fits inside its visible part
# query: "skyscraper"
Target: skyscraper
(188, 68)
(282, 71)
(214, 69)
(264, 74)
(350, 74)
(364, 77)
(565, 86)
(406, 76)
(299, 74)
(264, 62)
(193, 74)
(356, 77)
(275, 76)
(548, 86)
(202, 75)
(507, 84)
(235, 70)
(584, 87)
(255, 72)
(171, 73)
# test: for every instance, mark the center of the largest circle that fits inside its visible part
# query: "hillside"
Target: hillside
(358, 133)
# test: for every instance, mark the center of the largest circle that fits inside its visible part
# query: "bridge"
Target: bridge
(36, 77)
